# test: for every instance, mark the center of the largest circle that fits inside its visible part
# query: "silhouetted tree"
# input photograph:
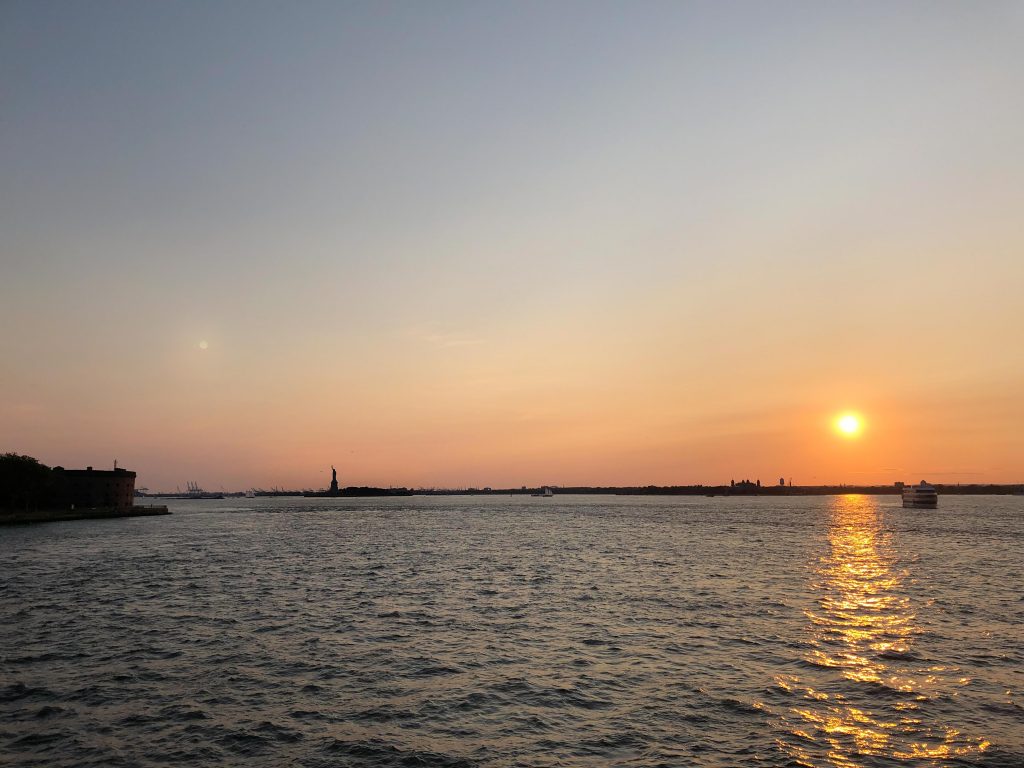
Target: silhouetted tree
(24, 482)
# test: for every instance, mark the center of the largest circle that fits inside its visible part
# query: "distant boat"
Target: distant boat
(545, 492)
(921, 495)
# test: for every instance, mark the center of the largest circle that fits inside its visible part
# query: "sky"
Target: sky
(468, 244)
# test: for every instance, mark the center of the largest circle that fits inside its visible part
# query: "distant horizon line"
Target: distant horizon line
(740, 488)
(585, 488)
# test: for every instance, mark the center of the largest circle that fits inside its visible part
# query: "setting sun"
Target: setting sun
(849, 424)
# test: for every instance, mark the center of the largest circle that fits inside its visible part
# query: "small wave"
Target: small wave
(279, 733)
(384, 715)
(735, 705)
(16, 691)
(178, 712)
(38, 739)
(383, 755)
(45, 657)
(550, 697)
(435, 670)
(895, 655)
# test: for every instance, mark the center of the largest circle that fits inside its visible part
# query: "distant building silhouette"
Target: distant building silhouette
(95, 487)
(745, 486)
(332, 491)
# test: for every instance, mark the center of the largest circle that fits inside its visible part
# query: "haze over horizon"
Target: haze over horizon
(506, 244)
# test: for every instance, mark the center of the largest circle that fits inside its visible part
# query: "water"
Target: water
(574, 631)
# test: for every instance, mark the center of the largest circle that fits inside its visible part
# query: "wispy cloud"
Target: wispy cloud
(445, 339)
(452, 340)
(943, 473)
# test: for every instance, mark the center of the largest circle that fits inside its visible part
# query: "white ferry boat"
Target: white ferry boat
(922, 495)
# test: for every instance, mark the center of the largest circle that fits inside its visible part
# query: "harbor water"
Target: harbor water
(518, 631)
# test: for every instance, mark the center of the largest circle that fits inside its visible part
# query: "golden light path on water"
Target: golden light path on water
(872, 691)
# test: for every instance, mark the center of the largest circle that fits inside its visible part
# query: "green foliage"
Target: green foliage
(24, 482)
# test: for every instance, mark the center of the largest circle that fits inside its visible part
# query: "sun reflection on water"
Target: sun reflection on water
(870, 688)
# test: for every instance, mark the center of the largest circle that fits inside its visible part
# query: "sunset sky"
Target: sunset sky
(452, 244)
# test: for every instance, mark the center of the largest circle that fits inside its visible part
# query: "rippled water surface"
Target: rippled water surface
(829, 631)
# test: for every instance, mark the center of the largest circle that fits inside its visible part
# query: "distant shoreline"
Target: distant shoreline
(725, 490)
(1005, 489)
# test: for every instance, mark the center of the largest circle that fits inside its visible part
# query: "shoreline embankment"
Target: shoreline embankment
(90, 513)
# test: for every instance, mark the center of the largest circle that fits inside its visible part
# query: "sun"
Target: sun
(203, 345)
(849, 424)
